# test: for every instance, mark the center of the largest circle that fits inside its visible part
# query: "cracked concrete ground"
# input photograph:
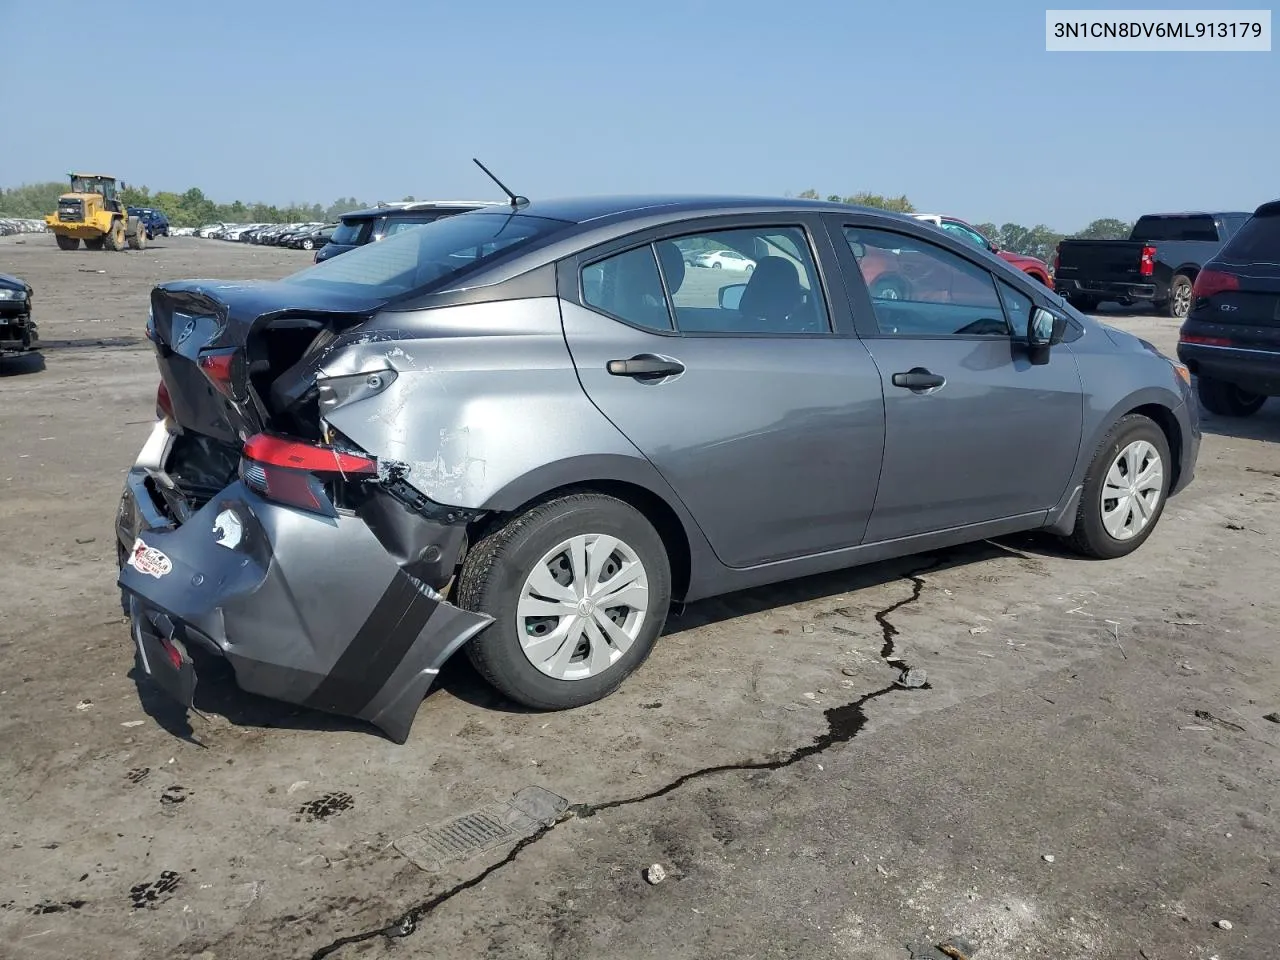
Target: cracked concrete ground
(1109, 716)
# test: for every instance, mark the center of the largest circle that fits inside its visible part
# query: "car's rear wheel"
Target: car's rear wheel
(308, 244)
(1226, 399)
(1124, 490)
(67, 243)
(717, 265)
(578, 588)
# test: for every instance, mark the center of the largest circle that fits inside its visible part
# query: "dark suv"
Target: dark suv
(377, 223)
(1231, 338)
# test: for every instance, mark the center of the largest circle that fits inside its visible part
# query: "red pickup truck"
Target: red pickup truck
(963, 231)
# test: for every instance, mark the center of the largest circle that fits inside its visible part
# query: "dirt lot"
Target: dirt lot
(1089, 773)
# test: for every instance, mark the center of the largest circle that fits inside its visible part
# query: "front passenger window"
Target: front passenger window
(919, 289)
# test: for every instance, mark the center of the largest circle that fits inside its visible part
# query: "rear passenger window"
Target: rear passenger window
(919, 289)
(629, 287)
(747, 281)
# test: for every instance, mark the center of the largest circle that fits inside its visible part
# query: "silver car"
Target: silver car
(524, 431)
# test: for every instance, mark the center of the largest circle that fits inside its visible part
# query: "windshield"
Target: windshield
(422, 257)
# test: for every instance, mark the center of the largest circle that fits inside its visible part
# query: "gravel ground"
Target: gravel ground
(1088, 774)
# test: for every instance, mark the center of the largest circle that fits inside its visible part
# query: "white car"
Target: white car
(726, 260)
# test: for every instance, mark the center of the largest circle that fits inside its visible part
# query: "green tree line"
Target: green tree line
(189, 209)
(1038, 241)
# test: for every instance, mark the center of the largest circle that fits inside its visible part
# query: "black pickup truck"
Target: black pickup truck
(1156, 265)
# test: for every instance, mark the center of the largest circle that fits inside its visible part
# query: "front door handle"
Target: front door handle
(645, 366)
(918, 378)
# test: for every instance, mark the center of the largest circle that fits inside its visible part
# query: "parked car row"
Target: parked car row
(13, 225)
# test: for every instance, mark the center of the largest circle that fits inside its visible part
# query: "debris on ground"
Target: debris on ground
(1273, 717)
(974, 631)
(957, 948)
(1048, 858)
(1208, 717)
(809, 628)
(1223, 924)
(654, 874)
(296, 786)
(133, 723)
(913, 678)
(84, 704)
(849, 671)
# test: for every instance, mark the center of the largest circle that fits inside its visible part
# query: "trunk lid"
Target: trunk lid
(225, 351)
(1253, 300)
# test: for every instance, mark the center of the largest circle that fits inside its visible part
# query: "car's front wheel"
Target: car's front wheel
(578, 588)
(1124, 490)
(1226, 399)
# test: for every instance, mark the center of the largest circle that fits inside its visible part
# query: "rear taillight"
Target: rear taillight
(164, 402)
(1147, 264)
(292, 471)
(1204, 341)
(219, 369)
(1208, 282)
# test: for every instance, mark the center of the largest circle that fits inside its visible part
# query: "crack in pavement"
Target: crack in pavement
(843, 724)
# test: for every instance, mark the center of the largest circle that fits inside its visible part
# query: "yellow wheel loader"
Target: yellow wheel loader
(94, 213)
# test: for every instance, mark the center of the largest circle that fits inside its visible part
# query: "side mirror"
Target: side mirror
(1044, 329)
(731, 296)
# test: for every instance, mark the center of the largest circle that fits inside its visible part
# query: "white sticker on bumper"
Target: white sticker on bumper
(149, 560)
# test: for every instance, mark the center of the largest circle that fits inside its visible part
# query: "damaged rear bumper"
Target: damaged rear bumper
(309, 609)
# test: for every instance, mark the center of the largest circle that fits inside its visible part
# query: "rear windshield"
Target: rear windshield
(353, 231)
(1175, 228)
(423, 257)
(1257, 242)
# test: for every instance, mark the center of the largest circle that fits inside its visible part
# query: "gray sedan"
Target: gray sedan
(524, 431)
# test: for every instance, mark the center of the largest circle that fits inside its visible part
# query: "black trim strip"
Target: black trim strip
(376, 650)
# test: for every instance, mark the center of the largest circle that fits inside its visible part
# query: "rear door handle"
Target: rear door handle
(645, 366)
(918, 378)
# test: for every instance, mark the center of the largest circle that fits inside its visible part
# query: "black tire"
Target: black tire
(1226, 399)
(67, 243)
(889, 288)
(1090, 538)
(308, 244)
(1179, 303)
(95, 244)
(114, 238)
(494, 573)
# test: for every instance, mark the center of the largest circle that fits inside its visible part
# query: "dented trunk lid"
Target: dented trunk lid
(223, 348)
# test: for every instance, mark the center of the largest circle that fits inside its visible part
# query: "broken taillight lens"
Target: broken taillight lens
(219, 368)
(164, 402)
(290, 471)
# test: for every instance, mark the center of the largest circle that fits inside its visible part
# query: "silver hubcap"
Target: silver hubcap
(1132, 490)
(1182, 301)
(582, 607)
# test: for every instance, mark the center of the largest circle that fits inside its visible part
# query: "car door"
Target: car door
(750, 394)
(975, 431)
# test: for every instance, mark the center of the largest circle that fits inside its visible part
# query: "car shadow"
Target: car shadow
(1263, 425)
(217, 693)
(21, 364)
(462, 681)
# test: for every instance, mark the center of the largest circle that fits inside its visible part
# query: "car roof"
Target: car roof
(584, 210)
(391, 209)
(1194, 213)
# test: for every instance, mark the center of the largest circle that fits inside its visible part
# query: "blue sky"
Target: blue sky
(955, 104)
